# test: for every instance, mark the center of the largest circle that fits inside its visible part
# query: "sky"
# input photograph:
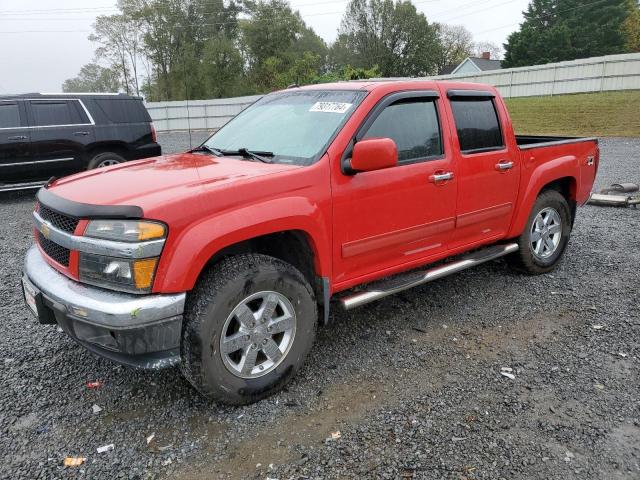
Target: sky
(44, 42)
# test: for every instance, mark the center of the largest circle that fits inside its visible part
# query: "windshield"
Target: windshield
(295, 126)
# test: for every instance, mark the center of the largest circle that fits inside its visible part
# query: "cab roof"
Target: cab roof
(399, 84)
(68, 95)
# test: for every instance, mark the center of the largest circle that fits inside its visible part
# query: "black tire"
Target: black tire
(103, 157)
(525, 259)
(219, 290)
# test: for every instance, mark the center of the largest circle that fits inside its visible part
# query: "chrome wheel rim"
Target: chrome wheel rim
(258, 334)
(107, 163)
(546, 232)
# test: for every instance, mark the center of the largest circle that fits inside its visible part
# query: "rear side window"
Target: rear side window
(123, 110)
(9, 115)
(477, 124)
(56, 112)
(413, 125)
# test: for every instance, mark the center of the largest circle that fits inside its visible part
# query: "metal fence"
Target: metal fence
(197, 114)
(596, 74)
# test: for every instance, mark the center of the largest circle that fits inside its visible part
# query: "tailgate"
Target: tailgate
(589, 161)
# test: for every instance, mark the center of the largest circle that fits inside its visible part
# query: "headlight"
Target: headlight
(125, 230)
(129, 275)
(133, 275)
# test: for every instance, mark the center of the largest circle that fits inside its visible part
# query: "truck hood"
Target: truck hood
(154, 181)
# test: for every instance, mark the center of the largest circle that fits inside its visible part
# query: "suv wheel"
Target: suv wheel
(248, 326)
(546, 234)
(105, 159)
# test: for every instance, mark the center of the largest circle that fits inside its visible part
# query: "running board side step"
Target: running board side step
(400, 282)
(12, 187)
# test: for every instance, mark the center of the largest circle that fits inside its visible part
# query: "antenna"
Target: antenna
(186, 91)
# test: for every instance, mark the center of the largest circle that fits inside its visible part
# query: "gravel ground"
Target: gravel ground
(412, 383)
(180, 141)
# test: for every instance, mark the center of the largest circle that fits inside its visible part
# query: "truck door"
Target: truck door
(488, 165)
(388, 219)
(15, 149)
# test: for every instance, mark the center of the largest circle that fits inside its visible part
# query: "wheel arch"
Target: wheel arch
(568, 188)
(292, 246)
(296, 247)
(552, 177)
(117, 147)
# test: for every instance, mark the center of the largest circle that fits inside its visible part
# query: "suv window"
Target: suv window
(124, 110)
(477, 124)
(413, 125)
(55, 112)
(9, 115)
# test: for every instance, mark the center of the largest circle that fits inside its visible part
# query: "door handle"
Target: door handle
(504, 165)
(81, 133)
(440, 177)
(17, 137)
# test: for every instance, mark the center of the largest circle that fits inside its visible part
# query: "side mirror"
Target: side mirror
(373, 154)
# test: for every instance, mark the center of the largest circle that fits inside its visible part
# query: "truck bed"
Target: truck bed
(526, 142)
(538, 151)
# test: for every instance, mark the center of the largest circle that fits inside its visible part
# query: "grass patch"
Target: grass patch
(607, 114)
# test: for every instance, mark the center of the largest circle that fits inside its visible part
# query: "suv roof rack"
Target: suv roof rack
(81, 93)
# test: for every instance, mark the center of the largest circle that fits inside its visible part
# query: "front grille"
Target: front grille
(58, 220)
(53, 250)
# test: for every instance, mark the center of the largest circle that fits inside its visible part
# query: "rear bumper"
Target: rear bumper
(138, 330)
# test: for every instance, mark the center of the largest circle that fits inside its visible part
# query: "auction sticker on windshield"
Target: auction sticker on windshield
(330, 107)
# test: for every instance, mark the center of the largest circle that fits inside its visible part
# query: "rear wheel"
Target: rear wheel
(105, 159)
(248, 326)
(546, 234)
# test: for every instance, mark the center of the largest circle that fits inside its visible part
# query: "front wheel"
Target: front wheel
(248, 326)
(546, 234)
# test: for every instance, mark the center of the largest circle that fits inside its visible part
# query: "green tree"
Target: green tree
(304, 69)
(308, 42)
(222, 68)
(632, 31)
(175, 34)
(558, 30)
(93, 78)
(202, 48)
(347, 72)
(340, 53)
(271, 30)
(280, 49)
(394, 36)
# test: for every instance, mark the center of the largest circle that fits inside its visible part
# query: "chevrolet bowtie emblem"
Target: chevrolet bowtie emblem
(45, 231)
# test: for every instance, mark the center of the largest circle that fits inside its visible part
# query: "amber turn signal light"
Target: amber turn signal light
(143, 271)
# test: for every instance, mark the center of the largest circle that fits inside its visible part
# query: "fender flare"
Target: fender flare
(188, 255)
(547, 173)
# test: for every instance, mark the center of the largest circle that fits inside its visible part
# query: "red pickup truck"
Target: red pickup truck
(223, 259)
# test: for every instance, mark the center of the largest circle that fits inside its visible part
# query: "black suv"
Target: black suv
(53, 135)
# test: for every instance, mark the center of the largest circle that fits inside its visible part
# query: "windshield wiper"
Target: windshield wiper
(208, 149)
(260, 156)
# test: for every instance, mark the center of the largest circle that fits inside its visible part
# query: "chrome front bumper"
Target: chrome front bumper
(139, 330)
